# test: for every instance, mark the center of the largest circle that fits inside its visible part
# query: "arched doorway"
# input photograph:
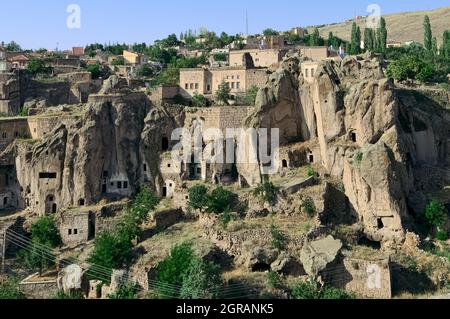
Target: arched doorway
(284, 163)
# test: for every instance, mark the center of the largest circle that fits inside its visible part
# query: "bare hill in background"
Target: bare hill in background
(407, 26)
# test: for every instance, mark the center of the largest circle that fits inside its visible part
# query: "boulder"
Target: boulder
(260, 259)
(316, 255)
(71, 279)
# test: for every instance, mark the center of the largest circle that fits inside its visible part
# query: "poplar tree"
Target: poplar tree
(368, 39)
(446, 44)
(382, 36)
(428, 35)
(356, 39)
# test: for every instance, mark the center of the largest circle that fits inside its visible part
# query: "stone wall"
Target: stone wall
(35, 289)
(365, 278)
(261, 58)
(219, 117)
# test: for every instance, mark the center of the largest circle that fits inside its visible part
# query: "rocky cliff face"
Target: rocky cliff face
(369, 136)
(84, 159)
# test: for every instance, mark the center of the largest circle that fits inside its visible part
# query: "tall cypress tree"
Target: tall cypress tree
(446, 44)
(354, 43)
(368, 39)
(382, 36)
(428, 35)
(434, 47)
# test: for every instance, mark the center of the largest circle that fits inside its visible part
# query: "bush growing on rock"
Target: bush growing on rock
(198, 197)
(127, 291)
(268, 192)
(219, 201)
(311, 290)
(278, 239)
(9, 289)
(435, 213)
(309, 207)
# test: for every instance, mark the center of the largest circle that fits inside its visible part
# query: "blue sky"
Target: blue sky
(42, 23)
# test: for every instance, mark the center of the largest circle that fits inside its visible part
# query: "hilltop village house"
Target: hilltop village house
(207, 81)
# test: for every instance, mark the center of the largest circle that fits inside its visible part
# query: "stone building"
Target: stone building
(135, 59)
(259, 58)
(309, 70)
(207, 81)
(77, 226)
(315, 53)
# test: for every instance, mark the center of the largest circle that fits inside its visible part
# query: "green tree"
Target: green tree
(38, 67)
(13, 47)
(38, 253)
(221, 57)
(145, 71)
(45, 232)
(95, 70)
(315, 39)
(425, 73)
(219, 201)
(250, 95)
(223, 93)
(137, 213)
(435, 213)
(369, 39)
(199, 100)
(198, 197)
(446, 44)
(267, 192)
(270, 32)
(9, 289)
(434, 47)
(110, 251)
(407, 67)
(125, 292)
(355, 42)
(171, 271)
(118, 61)
(428, 35)
(202, 280)
(382, 35)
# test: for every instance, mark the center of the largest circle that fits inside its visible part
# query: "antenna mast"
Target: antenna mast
(246, 22)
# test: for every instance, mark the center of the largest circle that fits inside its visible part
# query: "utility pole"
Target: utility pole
(3, 252)
(246, 23)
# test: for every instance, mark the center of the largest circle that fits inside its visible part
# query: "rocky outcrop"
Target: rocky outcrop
(316, 255)
(83, 160)
(373, 136)
(72, 279)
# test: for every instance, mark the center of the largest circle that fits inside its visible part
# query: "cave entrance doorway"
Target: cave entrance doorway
(54, 208)
(284, 164)
(353, 137)
(104, 189)
(380, 223)
(165, 143)
(164, 191)
(311, 158)
(81, 202)
(261, 267)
